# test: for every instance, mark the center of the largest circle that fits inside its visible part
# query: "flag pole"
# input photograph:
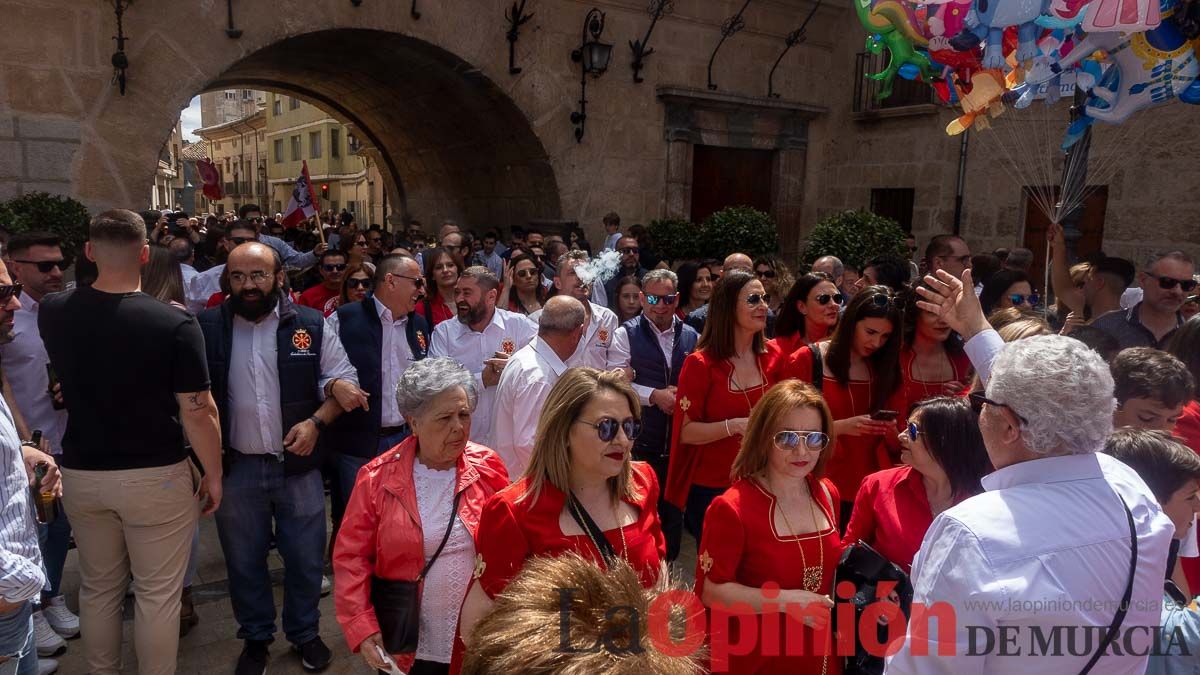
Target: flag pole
(320, 227)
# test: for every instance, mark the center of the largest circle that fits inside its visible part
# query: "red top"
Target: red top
(706, 393)
(1188, 429)
(740, 544)
(511, 531)
(786, 344)
(916, 390)
(440, 312)
(319, 297)
(215, 300)
(854, 457)
(892, 514)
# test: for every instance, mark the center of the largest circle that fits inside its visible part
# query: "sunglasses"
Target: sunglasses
(913, 431)
(664, 299)
(525, 274)
(1032, 298)
(631, 250)
(606, 428)
(765, 274)
(1165, 283)
(881, 300)
(419, 282)
(790, 440)
(977, 400)
(44, 266)
(824, 298)
(338, 267)
(9, 292)
(238, 241)
(755, 299)
(963, 260)
(359, 283)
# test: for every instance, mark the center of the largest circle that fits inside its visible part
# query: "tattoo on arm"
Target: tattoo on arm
(194, 403)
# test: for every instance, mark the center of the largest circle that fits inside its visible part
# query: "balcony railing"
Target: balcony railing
(904, 92)
(230, 188)
(260, 187)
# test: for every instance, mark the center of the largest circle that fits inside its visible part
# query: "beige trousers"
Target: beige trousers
(139, 521)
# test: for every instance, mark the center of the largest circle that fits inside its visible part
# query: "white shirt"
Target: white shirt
(610, 242)
(1131, 297)
(395, 355)
(21, 574)
(189, 273)
(25, 362)
(524, 386)
(255, 425)
(446, 584)
(592, 351)
(202, 287)
(506, 333)
(620, 354)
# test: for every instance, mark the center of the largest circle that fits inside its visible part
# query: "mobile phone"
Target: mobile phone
(884, 415)
(393, 669)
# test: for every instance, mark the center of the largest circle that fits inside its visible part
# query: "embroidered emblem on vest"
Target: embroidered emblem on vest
(301, 340)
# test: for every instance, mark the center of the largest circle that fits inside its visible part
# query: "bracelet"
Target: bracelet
(329, 387)
(320, 425)
(727, 431)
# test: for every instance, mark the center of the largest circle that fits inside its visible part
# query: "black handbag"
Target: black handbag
(1115, 627)
(398, 603)
(866, 568)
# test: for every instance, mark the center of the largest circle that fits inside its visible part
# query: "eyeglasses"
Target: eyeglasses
(526, 273)
(359, 283)
(238, 241)
(10, 291)
(419, 282)
(606, 427)
(824, 298)
(361, 242)
(336, 267)
(375, 239)
(881, 300)
(755, 299)
(664, 299)
(631, 250)
(765, 274)
(913, 431)
(1018, 299)
(963, 260)
(239, 278)
(790, 440)
(1167, 283)
(44, 266)
(977, 401)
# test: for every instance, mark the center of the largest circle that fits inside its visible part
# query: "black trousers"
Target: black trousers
(669, 515)
(426, 668)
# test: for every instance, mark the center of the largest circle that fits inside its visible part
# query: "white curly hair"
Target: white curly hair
(1062, 389)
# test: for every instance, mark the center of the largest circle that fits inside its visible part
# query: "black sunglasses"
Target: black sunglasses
(238, 241)
(9, 292)
(1167, 283)
(977, 401)
(881, 300)
(765, 274)
(664, 299)
(44, 266)
(336, 267)
(419, 282)
(359, 283)
(824, 298)
(755, 299)
(630, 250)
(523, 274)
(606, 428)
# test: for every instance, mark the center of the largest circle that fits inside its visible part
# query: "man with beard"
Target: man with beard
(601, 321)
(37, 263)
(134, 379)
(382, 336)
(1166, 281)
(631, 266)
(278, 379)
(481, 340)
(323, 296)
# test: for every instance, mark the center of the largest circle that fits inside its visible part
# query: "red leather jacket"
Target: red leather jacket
(381, 532)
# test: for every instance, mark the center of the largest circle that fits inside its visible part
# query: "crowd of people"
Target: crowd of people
(514, 444)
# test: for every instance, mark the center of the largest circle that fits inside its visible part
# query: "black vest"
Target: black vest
(298, 358)
(356, 433)
(652, 370)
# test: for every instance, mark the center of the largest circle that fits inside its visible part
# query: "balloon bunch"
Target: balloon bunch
(984, 55)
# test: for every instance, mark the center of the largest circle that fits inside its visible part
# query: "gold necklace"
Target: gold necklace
(813, 576)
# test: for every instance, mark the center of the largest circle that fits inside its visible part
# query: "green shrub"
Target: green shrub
(675, 239)
(730, 230)
(855, 237)
(42, 211)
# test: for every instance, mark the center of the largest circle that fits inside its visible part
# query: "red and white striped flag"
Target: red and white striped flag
(303, 204)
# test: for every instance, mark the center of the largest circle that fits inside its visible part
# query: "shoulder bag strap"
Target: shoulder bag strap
(589, 526)
(818, 368)
(1124, 607)
(445, 538)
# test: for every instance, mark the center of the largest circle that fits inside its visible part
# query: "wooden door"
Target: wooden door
(1091, 224)
(724, 177)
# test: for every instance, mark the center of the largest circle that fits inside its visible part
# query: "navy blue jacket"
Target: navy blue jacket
(652, 370)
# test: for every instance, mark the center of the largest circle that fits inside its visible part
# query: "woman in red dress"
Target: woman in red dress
(809, 313)
(1185, 345)
(719, 384)
(932, 360)
(945, 460)
(441, 274)
(771, 542)
(860, 377)
(580, 472)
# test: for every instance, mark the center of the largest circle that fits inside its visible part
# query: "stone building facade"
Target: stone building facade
(456, 134)
(238, 149)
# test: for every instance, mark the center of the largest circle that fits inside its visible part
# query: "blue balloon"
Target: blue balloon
(909, 71)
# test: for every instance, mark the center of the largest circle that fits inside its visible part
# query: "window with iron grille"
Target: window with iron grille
(904, 92)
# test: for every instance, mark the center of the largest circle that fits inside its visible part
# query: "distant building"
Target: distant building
(227, 105)
(238, 148)
(168, 184)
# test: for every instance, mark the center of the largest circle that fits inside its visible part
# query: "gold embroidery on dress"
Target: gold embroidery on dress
(480, 565)
(684, 404)
(706, 562)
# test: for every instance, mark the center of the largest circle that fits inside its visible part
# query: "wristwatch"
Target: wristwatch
(320, 425)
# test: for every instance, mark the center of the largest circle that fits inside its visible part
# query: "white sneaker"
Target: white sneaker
(47, 666)
(62, 620)
(48, 642)
(326, 585)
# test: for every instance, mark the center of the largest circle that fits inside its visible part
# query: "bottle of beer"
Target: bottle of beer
(45, 504)
(51, 380)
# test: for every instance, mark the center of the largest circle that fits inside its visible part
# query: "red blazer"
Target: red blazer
(381, 532)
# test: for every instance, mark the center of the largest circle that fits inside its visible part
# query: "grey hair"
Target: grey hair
(838, 268)
(426, 379)
(1062, 388)
(1173, 255)
(570, 257)
(661, 275)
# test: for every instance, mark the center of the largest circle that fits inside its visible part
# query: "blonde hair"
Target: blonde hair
(551, 458)
(765, 419)
(522, 631)
(1026, 327)
(1080, 273)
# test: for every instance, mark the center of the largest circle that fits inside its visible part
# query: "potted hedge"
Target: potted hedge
(44, 212)
(730, 230)
(855, 237)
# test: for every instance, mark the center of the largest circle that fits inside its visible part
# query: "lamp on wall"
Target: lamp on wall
(593, 57)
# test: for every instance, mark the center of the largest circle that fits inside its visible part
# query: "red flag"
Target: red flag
(303, 204)
(211, 177)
